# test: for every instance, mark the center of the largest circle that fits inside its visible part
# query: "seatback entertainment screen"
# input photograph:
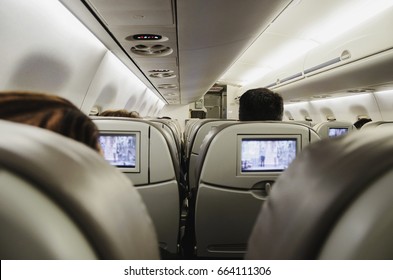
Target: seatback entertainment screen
(334, 132)
(119, 150)
(266, 154)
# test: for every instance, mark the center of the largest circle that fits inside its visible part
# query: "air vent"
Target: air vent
(160, 71)
(171, 94)
(167, 86)
(163, 75)
(155, 50)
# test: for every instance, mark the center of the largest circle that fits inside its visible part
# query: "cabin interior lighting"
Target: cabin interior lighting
(347, 15)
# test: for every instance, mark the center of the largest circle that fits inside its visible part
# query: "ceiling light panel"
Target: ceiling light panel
(300, 28)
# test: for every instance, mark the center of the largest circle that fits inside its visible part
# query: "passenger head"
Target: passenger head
(135, 115)
(261, 104)
(120, 113)
(50, 112)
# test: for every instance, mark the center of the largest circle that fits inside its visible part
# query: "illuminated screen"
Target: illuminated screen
(334, 132)
(263, 155)
(119, 150)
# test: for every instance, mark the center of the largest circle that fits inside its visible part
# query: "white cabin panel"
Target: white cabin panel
(385, 103)
(299, 111)
(346, 108)
(116, 87)
(46, 49)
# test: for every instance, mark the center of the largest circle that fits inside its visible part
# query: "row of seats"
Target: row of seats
(334, 202)
(220, 193)
(232, 182)
(89, 210)
(167, 186)
(154, 171)
(60, 199)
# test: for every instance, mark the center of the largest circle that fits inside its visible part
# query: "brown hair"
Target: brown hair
(50, 112)
(120, 113)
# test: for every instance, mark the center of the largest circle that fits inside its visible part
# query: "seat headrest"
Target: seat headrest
(99, 198)
(312, 194)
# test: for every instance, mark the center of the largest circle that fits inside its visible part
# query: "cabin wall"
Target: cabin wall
(385, 104)
(46, 49)
(232, 105)
(346, 108)
(114, 88)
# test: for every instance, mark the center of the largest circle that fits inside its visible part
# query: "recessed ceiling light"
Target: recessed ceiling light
(170, 93)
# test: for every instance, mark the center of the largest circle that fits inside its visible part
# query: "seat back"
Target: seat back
(195, 140)
(375, 124)
(62, 200)
(188, 128)
(236, 169)
(154, 170)
(334, 202)
(171, 127)
(333, 128)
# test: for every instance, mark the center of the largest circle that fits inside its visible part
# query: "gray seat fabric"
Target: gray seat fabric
(62, 200)
(174, 133)
(375, 124)
(158, 177)
(228, 200)
(194, 143)
(334, 202)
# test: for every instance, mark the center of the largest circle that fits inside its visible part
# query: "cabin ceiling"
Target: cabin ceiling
(202, 42)
(199, 40)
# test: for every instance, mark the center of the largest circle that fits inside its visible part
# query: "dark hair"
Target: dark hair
(360, 122)
(261, 104)
(120, 113)
(49, 112)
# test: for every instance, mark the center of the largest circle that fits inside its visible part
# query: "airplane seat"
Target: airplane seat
(171, 139)
(188, 127)
(200, 131)
(191, 131)
(154, 171)
(335, 201)
(171, 127)
(374, 124)
(237, 167)
(62, 200)
(333, 128)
